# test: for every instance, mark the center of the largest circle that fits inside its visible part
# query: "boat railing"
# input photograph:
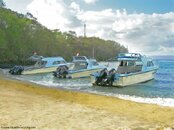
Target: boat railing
(129, 55)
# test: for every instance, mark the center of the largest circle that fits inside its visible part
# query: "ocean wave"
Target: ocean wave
(86, 87)
(169, 102)
(67, 85)
(44, 83)
(158, 101)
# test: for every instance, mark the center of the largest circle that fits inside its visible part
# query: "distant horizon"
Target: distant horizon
(164, 55)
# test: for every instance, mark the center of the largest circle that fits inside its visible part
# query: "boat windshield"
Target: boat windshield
(94, 63)
(79, 65)
(40, 64)
(127, 63)
(59, 62)
(126, 67)
(79, 58)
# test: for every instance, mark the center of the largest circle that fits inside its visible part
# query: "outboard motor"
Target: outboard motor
(102, 77)
(61, 72)
(111, 77)
(106, 78)
(16, 70)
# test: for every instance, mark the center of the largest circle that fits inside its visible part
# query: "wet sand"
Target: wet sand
(26, 105)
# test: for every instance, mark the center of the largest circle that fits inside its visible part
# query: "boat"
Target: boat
(44, 65)
(81, 67)
(133, 68)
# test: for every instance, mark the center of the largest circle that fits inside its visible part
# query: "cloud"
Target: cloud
(19, 5)
(55, 14)
(147, 33)
(144, 33)
(90, 1)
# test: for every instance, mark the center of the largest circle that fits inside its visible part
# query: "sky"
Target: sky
(144, 26)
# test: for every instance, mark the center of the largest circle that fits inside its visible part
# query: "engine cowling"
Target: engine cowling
(16, 70)
(61, 72)
(106, 78)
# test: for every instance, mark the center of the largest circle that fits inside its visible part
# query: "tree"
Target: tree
(30, 16)
(20, 36)
(72, 33)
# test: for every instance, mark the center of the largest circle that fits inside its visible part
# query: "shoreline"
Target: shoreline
(160, 101)
(148, 114)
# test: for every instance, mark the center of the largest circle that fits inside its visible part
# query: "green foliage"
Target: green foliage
(20, 37)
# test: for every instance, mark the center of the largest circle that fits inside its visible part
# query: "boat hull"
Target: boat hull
(130, 79)
(51, 69)
(39, 70)
(134, 78)
(83, 74)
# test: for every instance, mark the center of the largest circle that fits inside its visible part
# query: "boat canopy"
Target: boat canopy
(50, 62)
(81, 58)
(35, 58)
(82, 62)
(79, 65)
(129, 56)
(134, 62)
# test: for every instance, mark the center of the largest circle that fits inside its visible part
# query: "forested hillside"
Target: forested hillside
(20, 37)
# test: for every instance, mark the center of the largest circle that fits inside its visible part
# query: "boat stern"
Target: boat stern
(93, 78)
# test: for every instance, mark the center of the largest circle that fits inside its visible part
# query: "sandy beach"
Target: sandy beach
(29, 106)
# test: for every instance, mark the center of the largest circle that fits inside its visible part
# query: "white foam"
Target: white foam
(169, 102)
(158, 101)
(75, 86)
(45, 83)
(67, 85)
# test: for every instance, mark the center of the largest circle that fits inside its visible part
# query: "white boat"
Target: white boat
(44, 65)
(81, 67)
(133, 68)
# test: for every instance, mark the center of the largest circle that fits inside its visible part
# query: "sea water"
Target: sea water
(159, 91)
